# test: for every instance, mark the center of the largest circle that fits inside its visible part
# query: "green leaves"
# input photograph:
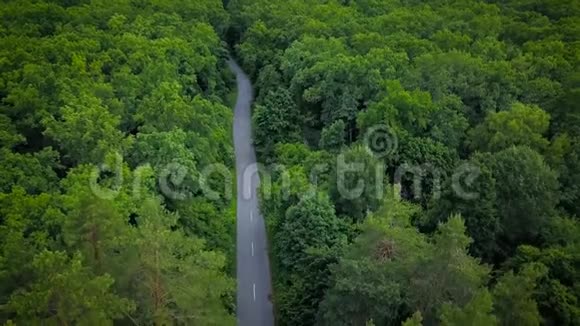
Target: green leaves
(447, 273)
(526, 193)
(65, 292)
(175, 271)
(8, 134)
(332, 137)
(307, 241)
(520, 126)
(469, 89)
(478, 312)
(275, 120)
(28, 225)
(82, 81)
(408, 110)
(87, 131)
(165, 109)
(357, 183)
(84, 87)
(513, 296)
(480, 213)
(34, 172)
(391, 268)
(310, 223)
(553, 291)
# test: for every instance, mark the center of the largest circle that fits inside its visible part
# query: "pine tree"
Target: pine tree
(178, 281)
(65, 292)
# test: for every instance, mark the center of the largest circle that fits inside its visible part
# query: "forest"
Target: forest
(489, 85)
(424, 156)
(99, 101)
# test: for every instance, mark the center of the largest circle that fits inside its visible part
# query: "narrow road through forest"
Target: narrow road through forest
(253, 268)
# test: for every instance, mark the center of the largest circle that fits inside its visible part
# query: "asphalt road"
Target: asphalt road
(253, 269)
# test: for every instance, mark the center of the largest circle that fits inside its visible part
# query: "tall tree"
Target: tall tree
(357, 182)
(526, 195)
(276, 120)
(333, 137)
(447, 273)
(178, 281)
(28, 225)
(87, 131)
(475, 199)
(372, 279)
(555, 291)
(477, 312)
(309, 224)
(64, 292)
(514, 302)
(522, 125)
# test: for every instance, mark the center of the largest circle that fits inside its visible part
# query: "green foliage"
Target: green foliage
(28, 224)
(159, 149)
(569, 176)
(489, 85)
(357, 183)
(332, 137)
(415, 320)
(308, 241)
(310, 223)
(513, 296)
(526, 195)
(407, 110)
(448, 273)
(300, 298)
(476, 202)
(172, 160)
(520, 126)
(392, 269)
(87, 132)
(34, 172)
(85, 85)
(8, 134)
(482, 87)
(97, 229)
(276, 120)
(478, 312)
(447, 124)
(174, 271)
(555, 292)
(479, 99)
(204, 219)
(421, 166)
(565, 113)
(65, 292)
(372, 279)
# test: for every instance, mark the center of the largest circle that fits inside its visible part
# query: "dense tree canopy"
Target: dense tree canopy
(424, 160)
(468, 108)
(99, 102)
